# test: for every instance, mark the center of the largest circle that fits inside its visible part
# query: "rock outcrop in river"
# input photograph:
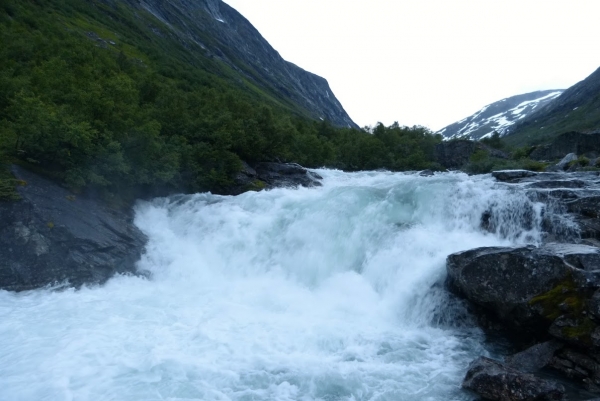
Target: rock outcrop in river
(541, 293)
(51, 237)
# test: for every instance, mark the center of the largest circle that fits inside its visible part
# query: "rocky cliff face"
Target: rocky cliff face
(213, 27)
(51, 237)
(569, 142)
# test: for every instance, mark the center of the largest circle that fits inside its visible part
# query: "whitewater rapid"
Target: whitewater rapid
(330, 293)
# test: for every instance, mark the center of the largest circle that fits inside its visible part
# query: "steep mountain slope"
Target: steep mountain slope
(499, 116)
(129, 98)
(216, 30)
(577, 109)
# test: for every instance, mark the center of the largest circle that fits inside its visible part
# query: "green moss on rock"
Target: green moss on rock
(582, 331)
(256, 185)
(562, 299)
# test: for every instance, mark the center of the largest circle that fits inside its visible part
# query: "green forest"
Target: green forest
(136, 115)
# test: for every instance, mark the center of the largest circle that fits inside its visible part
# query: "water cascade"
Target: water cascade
(330, 293)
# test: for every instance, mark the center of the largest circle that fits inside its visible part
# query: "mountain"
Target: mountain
(577, 109)
(139, 98)
(216, 30)
(499, 116)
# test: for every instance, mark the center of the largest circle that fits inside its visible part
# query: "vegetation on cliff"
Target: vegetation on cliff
(90, 95)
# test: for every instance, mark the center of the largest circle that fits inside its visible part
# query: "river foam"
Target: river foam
(331, 293)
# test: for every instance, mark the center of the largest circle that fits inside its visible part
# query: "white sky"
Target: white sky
(431, 62)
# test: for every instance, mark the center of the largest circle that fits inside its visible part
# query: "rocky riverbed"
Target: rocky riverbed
(546, 298)
(52, 237)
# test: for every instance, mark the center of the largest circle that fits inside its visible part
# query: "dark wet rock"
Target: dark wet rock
(525, 287)
(587, 206)
(51, 236)
(426, 173)
(510, 175)
(594, 306)
(579, 365)
(553, 184)
(588, 228)
(246, 179)
(268, 175)
(534, 358)
(559, 194)
(286, 175)
(547, 292)
(573, 330)
(493, 380)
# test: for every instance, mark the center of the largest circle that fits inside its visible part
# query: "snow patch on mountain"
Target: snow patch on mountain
(499, 116)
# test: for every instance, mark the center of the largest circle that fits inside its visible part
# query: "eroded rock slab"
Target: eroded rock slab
(51, 236)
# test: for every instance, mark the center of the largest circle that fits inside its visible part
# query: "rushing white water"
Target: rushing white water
(332, 293)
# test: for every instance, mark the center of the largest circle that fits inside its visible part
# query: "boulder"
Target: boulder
(563, 164)
(534, 358)
(493, 380)
(526, 288)
(510, 175)
(245, 180)
(52, 236)
(286, 175)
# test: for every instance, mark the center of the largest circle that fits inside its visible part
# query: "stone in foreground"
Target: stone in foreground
(527, 288)
(493, 380)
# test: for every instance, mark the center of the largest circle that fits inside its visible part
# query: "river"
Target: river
(329, 293)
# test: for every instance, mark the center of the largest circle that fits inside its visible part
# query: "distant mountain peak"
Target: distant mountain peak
(577, 109)
(499, 116)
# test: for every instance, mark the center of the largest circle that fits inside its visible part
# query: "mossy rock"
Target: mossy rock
(577, 331)
(564, 298)
(256, 185)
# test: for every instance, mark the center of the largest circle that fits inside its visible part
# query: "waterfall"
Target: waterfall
(330, 293)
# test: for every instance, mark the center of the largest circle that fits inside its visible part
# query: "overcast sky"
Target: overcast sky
(431, 62)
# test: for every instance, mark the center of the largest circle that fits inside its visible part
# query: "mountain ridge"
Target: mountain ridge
(225, 34)
(576, 109)
(499, 116)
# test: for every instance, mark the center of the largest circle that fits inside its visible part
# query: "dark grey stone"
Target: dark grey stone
(506, 281)
(286, 175)
(51, 236)
(509, 175)
(534, 358)
(493, 380)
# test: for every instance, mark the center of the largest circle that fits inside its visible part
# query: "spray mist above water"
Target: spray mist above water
(330, 293)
